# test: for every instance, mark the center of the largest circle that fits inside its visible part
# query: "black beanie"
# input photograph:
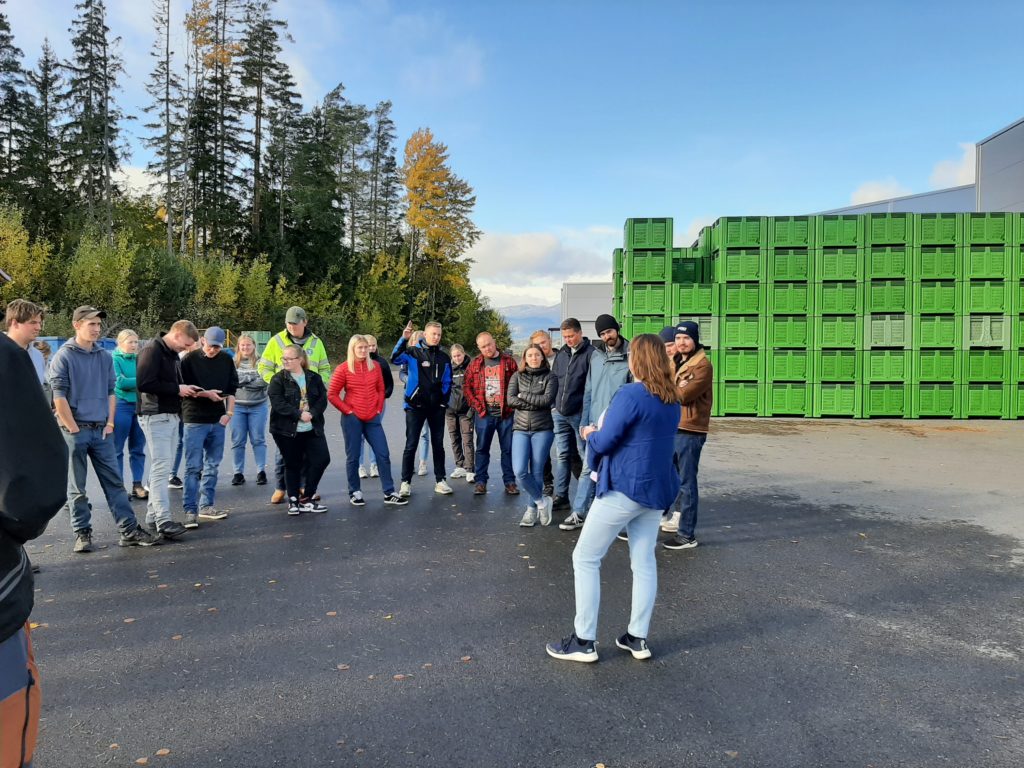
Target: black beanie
(691, 329)
(605, 323)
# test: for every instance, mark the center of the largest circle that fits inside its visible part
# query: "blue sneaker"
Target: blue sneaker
(571, 648)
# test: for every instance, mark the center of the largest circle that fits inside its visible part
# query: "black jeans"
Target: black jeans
(414, 420)
(306, 451)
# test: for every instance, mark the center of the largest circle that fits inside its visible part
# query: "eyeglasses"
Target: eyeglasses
(290, 359)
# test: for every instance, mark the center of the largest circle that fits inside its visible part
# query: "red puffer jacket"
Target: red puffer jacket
(364, 390)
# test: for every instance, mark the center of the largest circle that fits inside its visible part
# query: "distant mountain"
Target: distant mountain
(524, 319)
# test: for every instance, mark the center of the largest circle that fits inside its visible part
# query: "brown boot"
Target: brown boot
(278, 497)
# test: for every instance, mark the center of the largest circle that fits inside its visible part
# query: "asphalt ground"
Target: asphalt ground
(855, 601)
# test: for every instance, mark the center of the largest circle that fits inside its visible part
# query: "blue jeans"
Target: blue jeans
(367, 450)
(688, 448)
(585, 487)
(126, 428)
(486, 426)
(355, 431)
(608, 515)
(204, 449)
(178, 449)
(161, 430)
(89, 443)
(567, 434)
(529, 453)
(249, 422)
(425, 443)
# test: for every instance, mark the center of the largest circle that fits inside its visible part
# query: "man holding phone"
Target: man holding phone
(161, 389)
(206, 415)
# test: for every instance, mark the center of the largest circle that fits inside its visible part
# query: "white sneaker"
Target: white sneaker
(529, 518)
(423, 469)
(442, 487)
(470, 477)
(458, 472)
(670, 525)
(405, 491)
(362, 471)
(374, 472)
(544, 510)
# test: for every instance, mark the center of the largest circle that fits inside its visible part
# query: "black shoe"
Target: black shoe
(137, 537)
(549, 489)
(356, 499)
(238, 479)
(83, 541)
(622, 535)
(635, 645)
(294, 508)
(175, 482)
(36, 568)
(312, 505)
(394, 498)
(261, 478)
(680, 542)
(139, 492)
(560, 502)
(571, 648)
(170, 529)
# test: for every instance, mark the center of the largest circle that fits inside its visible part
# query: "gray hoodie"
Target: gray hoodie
(85, 378)
(609, 371)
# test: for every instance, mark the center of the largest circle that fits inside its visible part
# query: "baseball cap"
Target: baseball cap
(668, 334)
(214, 336)
(88, 313)
(295, 315)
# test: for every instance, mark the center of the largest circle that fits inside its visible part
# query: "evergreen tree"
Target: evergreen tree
(12, 81)
(384, 193)
(348, 130)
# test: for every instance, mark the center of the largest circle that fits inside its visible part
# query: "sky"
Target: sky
(568, 117)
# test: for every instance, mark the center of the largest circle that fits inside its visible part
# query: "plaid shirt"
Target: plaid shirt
(473, 386)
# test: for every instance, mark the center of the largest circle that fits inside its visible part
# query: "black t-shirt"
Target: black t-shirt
(209, 373)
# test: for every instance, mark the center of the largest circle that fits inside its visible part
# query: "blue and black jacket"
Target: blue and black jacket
(429, 380)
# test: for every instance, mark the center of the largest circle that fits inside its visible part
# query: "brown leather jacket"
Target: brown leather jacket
(694, 379)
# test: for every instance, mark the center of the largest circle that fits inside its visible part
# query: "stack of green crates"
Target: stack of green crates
(877, 315)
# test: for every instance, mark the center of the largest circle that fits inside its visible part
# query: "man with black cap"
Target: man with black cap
(694, 378)
(609, 370)
(82, 378)
(206, 417)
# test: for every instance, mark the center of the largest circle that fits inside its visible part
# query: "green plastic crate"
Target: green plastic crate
(694, 298)
(887, 365)
(648, 233)
(839, 230)
(938, 331)
(836, 365)
(987, 296)
(838, 298)
(987, 400)
(260, 338)
(839, 264)
(634, 325)
(1017, 331)
(618, 261)
(937, 262)
(740, 299)
(1018, 259)
(741, 330)
(937, 297)
(994, 262)
(788, 365)
(705, 242)
(888, 261)
(740, 264)
(740, 365)
(988, 228)
(888, 330)
(838, 331)
(988, 331)
(889, 229)
(706, 324)
(740, 232)
(838, 399)
(648, 266)
(936, 400)
(740, 398)
(791, 232)
(936, 365)
(1017, 408)
(937, 229)
(788, 331)
(647, 299)
(1016, 364)
(888, 398)
(687, 269)
(788, 398)
(887, 296)
(791, 264)
(790, 299)
(985, 365)
(1017, 299)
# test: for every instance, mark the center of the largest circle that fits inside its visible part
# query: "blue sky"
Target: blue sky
(568, 117)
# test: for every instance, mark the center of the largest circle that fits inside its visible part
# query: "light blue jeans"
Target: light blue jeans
(567, 436)
(161, 432)
(204, 449)
(529, 453)
(249, 423)
(608, 515)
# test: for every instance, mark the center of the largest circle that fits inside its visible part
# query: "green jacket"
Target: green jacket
(270, 362)
(124, 375)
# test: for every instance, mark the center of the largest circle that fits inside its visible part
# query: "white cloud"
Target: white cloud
(883, 189)
(955, 173)
(135, 180)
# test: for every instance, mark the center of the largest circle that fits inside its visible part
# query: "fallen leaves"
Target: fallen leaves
(212, 610)
(732, 753)
(142, 761)
(175, 637)
(129, 621)
(389, 617)
(332, 613)
(466, 658)
(399, 677)
(344, 667)
(163, 752)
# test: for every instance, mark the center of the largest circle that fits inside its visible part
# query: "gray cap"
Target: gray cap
(88, 313)
(295, 315)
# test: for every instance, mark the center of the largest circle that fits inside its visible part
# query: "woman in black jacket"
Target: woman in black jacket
(298, 399)
(459, 419)
(531, 391)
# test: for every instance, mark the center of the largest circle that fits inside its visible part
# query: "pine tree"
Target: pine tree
(92, 134)
(348, 129)
(384, 191)
(12, 81)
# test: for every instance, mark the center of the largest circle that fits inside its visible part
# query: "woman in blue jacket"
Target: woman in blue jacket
(633, 449)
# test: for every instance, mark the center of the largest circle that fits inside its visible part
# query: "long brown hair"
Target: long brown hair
(544, 366)
(652, 367)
